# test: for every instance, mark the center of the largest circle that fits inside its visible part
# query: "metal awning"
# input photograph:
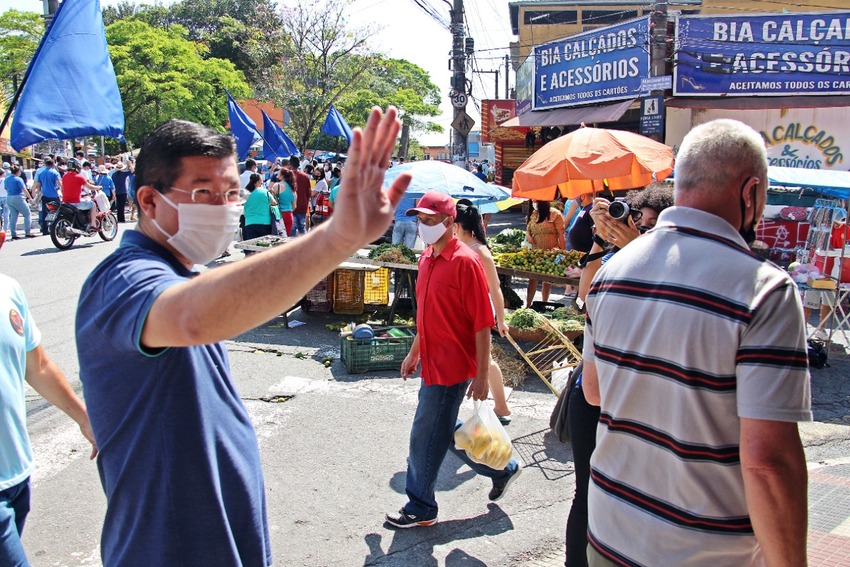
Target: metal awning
(570, 116)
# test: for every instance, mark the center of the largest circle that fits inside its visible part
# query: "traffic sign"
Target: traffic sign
(458, 99)
(463, 123)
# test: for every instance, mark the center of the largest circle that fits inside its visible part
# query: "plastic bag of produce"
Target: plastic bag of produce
(484, 439)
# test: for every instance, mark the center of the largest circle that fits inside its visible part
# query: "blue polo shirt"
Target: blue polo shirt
(18, 335)
(106, 184)
(179, 459)
(49, 179)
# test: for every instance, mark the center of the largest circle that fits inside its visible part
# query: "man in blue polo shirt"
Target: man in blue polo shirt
(49, 181)
(179, 458)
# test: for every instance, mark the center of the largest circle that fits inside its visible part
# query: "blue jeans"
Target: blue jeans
(42, 214)
(404, 231)
(14, 507)
(431, 438)
(4, 213)
(17, 204)
(299, 224)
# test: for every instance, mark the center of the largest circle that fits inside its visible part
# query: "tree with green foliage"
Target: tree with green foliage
(400, 83)
(162, 74)
(323, 58)
(20, 33)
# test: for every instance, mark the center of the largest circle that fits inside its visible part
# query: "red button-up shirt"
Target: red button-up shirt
(453, 304)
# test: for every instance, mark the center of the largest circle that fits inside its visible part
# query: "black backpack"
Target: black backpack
(817, 354)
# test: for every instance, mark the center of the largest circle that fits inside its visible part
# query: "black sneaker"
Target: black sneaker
(499, 488)
(404, 520)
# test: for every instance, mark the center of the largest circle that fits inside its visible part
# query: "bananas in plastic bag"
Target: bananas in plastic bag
(484, 439)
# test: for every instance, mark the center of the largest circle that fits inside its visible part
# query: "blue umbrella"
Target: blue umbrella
(432, 175)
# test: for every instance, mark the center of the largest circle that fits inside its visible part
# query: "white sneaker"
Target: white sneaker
(820, 335)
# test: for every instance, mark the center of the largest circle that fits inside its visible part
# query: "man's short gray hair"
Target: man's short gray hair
(719, 153)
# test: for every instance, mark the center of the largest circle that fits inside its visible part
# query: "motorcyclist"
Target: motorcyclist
(73, 183)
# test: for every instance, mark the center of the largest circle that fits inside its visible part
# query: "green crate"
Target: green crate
(380, 353)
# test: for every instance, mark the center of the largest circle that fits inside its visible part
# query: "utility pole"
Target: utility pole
(50, 7)
(496, 91)
(507, 76)
(658, 53)
(459, 146)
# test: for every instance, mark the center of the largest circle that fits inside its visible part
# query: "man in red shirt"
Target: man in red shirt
(453, 320)
(72, 190)
(302, 198)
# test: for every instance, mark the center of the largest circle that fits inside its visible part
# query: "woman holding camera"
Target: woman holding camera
(544, 231)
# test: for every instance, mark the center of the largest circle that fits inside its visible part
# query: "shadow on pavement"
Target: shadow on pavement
(415, 546)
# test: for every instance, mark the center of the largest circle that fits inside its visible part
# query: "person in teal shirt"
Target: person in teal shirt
(258, 215)
(336, 175)
(282, 191)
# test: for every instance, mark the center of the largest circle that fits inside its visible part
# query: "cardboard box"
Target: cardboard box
(822, 283)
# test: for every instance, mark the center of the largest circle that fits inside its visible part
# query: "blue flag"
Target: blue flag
(275, 140)
(70, 89)
(335, 125)
(242, 127)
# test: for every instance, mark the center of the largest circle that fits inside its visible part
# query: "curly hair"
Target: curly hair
(654, 196)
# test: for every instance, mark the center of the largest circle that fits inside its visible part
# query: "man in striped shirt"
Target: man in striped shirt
(698, 458)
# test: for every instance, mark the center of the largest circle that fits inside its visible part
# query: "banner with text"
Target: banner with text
(779, 55)
(602, 65)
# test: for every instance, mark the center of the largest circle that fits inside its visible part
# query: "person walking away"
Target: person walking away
(49, 182)
(716, 474)
(119, 179)
(17, 199)
(469, 228)
(453, 322)
(282, 190)
(302, 198)
(405, 228)
(179, 462)
(23, 359)
(645, 206)
(258, 216)
(544, 231)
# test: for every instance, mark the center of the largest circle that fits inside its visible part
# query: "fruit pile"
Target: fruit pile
(484, 447)
(550, 262)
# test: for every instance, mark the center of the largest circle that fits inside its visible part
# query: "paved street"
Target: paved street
(334, 452)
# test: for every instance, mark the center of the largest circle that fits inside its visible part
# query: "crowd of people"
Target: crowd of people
(714, 474)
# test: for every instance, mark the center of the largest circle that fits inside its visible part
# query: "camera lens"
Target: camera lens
(618, 210)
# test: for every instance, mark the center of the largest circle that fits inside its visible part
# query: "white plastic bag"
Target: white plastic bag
(484, 439)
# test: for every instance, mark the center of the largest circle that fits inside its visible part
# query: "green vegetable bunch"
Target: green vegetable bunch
(524, 319)
(386, 247)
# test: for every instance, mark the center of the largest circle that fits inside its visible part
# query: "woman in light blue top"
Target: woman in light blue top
(282, 191)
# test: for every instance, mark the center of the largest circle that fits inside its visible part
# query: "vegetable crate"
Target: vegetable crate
(552, 357)
(376, 288)
(385, 352)
(348, 292)
(320, 298)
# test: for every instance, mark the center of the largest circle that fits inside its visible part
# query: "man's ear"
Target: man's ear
(145, 197)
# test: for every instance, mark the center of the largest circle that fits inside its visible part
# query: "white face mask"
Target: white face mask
(431, 234)
(205, 231)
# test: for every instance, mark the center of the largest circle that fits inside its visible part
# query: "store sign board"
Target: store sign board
(525, 86)
(605, 64)
(808, 138)
(773, 55)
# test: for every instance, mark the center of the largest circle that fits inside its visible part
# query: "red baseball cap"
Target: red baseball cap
(433, 203)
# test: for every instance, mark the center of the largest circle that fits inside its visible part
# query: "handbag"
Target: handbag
(558, 422)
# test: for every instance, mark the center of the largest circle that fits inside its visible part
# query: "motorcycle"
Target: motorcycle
(67, 223)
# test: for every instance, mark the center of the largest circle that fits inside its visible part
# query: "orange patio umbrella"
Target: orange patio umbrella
(579, 163)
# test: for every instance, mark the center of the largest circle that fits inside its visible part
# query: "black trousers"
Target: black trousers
(120, 203)
(581, 420)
